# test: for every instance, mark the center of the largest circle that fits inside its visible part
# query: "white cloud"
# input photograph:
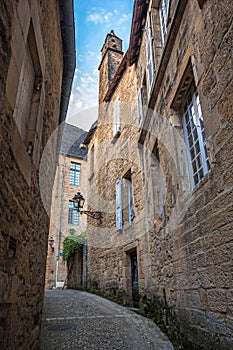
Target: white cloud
(124, 18)
(82, 110)
(100, 17)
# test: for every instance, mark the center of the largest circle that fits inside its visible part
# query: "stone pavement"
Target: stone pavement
(79, 320)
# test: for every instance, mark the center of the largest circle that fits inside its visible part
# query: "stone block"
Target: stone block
(217, 300)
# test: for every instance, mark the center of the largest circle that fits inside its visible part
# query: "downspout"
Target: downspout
(60, 223)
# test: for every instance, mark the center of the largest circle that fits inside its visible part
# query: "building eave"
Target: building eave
(66, 10)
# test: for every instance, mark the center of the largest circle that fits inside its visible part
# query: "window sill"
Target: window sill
(202, 182)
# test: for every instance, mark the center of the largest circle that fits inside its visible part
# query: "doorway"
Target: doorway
(134, 278)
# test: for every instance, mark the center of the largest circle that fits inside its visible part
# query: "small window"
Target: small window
(149, 51)
(127, 197)
(119, 204)
(195, 140)
(27, 104)
(116, 124)
(124, 201)
(92, 160)
(73, 216)
(140, 112)
(163, 14)
(142, 101)
(75, 169)
(157, 185)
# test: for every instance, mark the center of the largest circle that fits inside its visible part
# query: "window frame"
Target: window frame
(119, 213)
(116, 116)
(157, 172)
(140, 108)
(130, 212)
(149, 51)
(76, 172)
(72, 210)
(194, 136)
(163, 17)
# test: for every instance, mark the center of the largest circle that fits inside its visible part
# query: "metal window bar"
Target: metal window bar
(195, 140)
(73, 214)
(163, 14)
(149, 51)
(75, 169)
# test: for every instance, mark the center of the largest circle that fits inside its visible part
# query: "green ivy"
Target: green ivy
(72, 244)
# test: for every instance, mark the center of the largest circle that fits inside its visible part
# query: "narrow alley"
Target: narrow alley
(79, 320)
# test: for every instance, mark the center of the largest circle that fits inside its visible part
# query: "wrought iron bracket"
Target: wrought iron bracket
(93, 214)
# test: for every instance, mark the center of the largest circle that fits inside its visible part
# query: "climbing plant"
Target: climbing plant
(72, 244)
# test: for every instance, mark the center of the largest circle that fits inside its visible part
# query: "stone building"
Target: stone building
(37, 63)
(71, 177)
(116, 244)
(166, 234)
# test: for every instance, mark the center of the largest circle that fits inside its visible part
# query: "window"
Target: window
(124, 201)
(164, 13)
(27, 104)
(142, 101)
(194, 133)
(73, 216)
(140, 113)
(149, 51)
(116, 125)
(128, 214)
(157, 185)
(92, 160)
(119, 204)
(75, 169)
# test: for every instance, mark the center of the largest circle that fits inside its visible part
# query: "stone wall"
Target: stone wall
(182, 233)
(190, 249)
(63, 192)
(30, 45)
(109, 268)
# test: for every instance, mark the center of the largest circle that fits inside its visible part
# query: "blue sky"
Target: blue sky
(93, 20)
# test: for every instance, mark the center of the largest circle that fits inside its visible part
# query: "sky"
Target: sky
(93, 20)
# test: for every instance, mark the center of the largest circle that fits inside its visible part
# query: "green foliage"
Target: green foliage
(71, 231)
(72, 244)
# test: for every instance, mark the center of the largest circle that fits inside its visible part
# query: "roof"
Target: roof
(72, 138)
(66, 12)
(138, 22)
(90, 133)
(131, 56)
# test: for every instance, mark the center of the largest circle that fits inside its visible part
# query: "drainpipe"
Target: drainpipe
(60, 224)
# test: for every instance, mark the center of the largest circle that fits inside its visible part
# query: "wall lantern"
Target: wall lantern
(79, 203)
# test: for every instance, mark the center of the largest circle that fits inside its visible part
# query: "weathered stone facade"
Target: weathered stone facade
(114, 155)
(64, 189)
(179, 66)
(31, 77)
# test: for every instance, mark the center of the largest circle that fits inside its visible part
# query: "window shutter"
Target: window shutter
(149, 51)
(116, 116)
(119, 204)
(140, 112)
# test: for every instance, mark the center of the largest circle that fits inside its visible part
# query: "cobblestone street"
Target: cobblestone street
(78, 320)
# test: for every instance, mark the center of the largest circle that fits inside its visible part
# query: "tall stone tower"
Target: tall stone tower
(111, 58)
